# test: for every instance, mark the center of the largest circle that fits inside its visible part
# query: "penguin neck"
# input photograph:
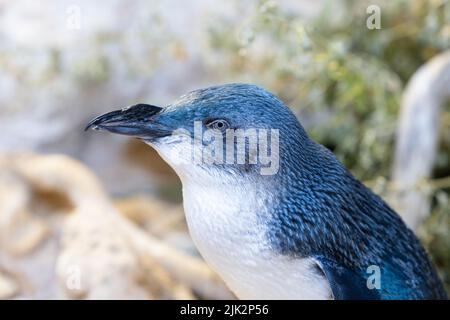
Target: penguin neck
(229, 225)
(222, 215)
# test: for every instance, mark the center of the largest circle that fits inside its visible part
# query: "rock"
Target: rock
(73, 243)
(8, 287)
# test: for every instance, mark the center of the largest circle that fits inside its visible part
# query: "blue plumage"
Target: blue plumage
(319, 210)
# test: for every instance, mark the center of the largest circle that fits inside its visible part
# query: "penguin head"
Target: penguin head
(228, 130)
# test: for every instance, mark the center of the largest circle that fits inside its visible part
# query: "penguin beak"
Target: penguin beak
(141, 121)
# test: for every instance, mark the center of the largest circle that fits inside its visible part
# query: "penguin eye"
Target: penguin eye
(219, 124)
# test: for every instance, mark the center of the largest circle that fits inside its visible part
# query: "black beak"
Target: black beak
(138, 121)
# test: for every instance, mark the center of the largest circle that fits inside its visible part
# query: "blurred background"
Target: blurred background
(85, 215)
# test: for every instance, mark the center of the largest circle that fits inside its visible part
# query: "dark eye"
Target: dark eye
(218, 124)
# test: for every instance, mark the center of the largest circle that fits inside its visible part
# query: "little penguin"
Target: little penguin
(274, 213)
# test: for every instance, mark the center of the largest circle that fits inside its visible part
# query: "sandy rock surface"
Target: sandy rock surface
(61, 236)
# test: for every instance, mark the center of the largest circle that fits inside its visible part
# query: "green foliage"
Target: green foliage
(435, 235)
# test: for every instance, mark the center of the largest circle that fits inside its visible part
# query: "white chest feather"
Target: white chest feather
(225, 224)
